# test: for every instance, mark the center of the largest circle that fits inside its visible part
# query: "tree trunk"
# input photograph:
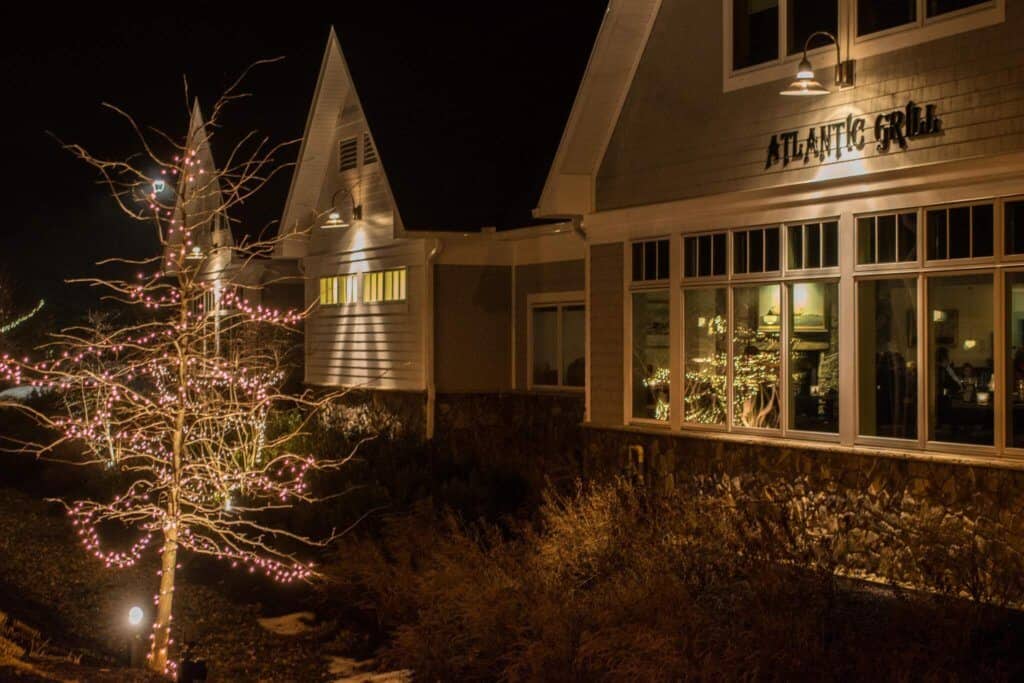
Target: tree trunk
(162, 625)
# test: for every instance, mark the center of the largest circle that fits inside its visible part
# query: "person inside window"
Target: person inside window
(948, 385)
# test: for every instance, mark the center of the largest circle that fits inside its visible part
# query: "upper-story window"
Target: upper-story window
(650, 260)
(764, 39)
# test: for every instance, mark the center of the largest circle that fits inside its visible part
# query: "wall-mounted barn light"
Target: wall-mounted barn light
(334, 218)
(806, 85)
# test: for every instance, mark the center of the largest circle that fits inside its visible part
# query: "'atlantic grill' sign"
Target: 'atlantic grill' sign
(831, 139)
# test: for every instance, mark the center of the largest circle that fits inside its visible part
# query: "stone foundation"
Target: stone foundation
(929, 524)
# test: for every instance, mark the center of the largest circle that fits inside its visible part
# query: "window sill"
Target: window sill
(1006, 461)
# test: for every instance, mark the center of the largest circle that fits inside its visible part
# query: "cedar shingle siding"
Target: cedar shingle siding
(606, 335)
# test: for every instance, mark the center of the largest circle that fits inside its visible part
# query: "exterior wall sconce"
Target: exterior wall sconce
(805, 85)
(334, 219)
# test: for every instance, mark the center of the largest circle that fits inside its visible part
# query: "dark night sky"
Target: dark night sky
(446, 87)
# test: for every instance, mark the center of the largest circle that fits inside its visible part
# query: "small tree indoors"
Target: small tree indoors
(177, 390)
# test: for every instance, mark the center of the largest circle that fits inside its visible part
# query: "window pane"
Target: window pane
(981, 230)
(704, 260)
(808, 16)
(1015, 227)
(814, 245)
(755, 239)
(887, 357)
(718, 254)
(907, 237)
(755, 32)
(1015, 359)
(650, 260)
(690, 257)
(960, 359)
(650, 355)
(878, 15)
(707, 348)
(939, 7)
(663, 260)
(573, 346)
(866, 240)
(771, 249)
(545, 346)
(755, 348)
(937, 235)
(886, 239)
(960, 232)
(638, 261)
(796, 247)
(739, 247)
(830, 234)
(814, 357)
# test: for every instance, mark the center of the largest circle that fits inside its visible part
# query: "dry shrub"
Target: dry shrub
(616, 584)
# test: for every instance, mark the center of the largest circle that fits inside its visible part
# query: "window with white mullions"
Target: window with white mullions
(557, 345)
(650, 260)
(813, 245)
(705, 255)
(960, 232)
(755, 250)
(887, 238)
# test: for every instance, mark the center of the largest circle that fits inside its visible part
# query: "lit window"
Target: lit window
(756, 250)
(959, 232)
(813, 245)
(889, 238)
(1015, 359)
(887, 357)
(557, 345)
(338, 289)
(755, 350)
(755, 32)
(650, 260)
(879, 15)
(706, 351)
(814, 356)
(704, 255)
(961, 375)
(651, 355)
(384, 285)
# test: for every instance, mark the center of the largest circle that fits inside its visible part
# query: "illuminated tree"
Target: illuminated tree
(182, 400)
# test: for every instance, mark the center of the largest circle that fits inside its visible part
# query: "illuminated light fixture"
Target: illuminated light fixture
(939, 316)
(334, 219)
(770, 319)
(970, 344)
(159, 186)
(195, 254)
(135, 615)
(805, 84)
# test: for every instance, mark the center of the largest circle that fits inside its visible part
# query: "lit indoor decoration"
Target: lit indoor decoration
(806, 85)
(335, 219)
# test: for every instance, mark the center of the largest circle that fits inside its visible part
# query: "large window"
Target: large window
(557, 345)
(1015, 359)
(338, 289)
(814, 356)
(757, 321)
(961, 371)
(706, 348)
(887, 357)
(384, 285)
(650, 385)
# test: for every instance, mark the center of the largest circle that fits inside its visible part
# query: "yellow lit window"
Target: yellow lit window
(338, 289)
(384, 285)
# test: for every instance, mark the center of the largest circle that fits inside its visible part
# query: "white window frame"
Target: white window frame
(559, 301)
(853, 47)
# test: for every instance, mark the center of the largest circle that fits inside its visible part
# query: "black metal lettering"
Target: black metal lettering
(857, 133)
(811, 145)
(773, 152)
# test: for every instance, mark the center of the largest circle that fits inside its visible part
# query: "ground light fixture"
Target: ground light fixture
(805, 84)
(136, 649)
(135, 615)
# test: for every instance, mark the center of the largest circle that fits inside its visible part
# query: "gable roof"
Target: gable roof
(199, 200)
(620, 43)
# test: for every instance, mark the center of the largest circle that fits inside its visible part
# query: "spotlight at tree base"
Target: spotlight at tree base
(135, 615)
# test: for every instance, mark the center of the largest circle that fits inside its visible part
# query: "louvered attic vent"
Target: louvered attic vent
(369, 151)
(348, 154)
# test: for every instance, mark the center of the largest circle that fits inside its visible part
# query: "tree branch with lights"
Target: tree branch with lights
(183, 400)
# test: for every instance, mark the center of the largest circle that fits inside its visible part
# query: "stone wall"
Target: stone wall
(930, 524)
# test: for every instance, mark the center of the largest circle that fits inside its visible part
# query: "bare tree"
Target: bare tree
(182, 397)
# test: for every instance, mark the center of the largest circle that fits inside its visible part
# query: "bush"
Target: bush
(614, 584)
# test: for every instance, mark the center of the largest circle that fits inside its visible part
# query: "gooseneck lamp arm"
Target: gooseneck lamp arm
(835, 41)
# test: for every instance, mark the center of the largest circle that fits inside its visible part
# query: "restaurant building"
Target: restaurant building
(836, 274)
